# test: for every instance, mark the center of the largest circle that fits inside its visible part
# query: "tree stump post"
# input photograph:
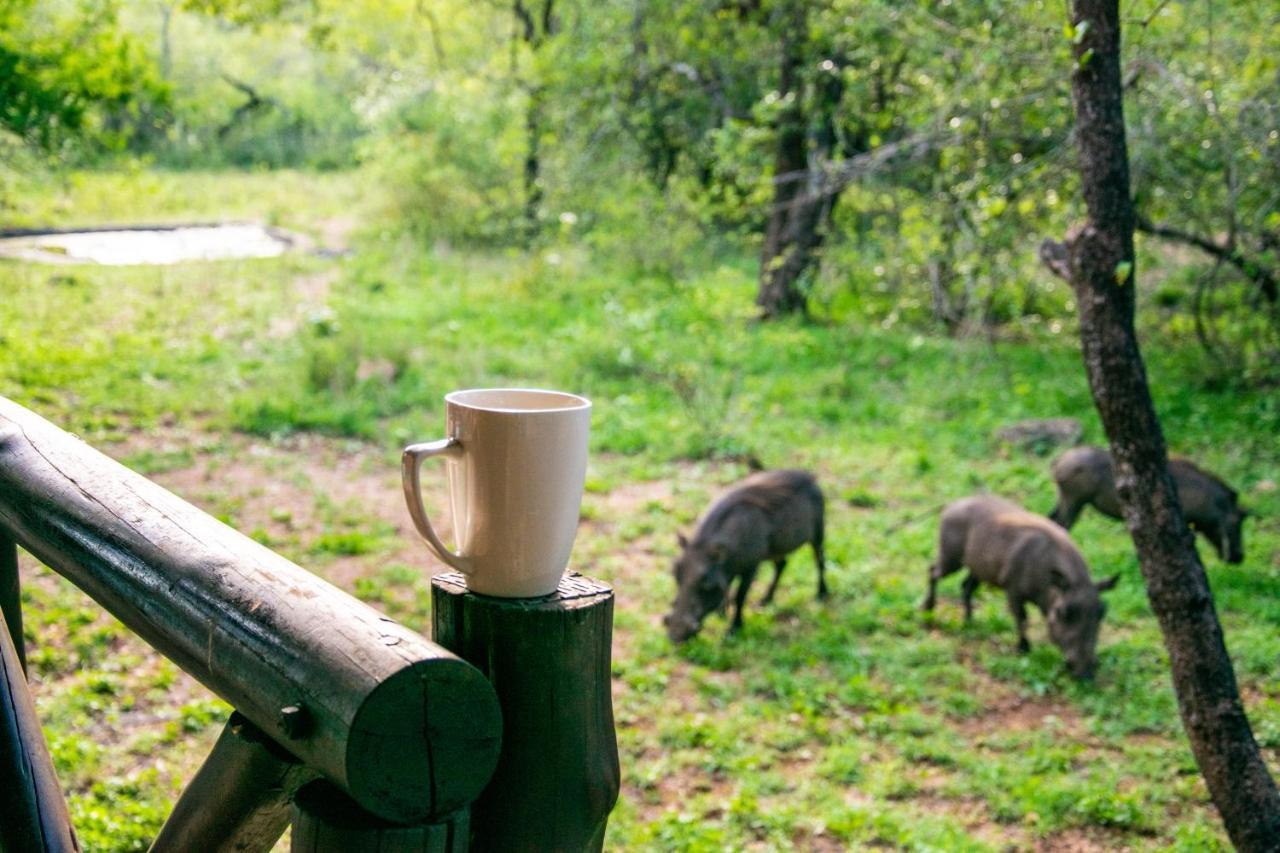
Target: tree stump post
(239, 798)
(327, 821)
(549, 660)
(11, 594)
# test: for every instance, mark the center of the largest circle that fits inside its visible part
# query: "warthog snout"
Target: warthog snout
(1082, 669)
(680, 627)
(1073, 626)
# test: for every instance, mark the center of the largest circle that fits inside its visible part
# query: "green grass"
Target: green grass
(135, 195)
(855, 722)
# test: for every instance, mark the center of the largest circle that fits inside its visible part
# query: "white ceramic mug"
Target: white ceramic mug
(517, 462)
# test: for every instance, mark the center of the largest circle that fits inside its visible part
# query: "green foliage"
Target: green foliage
(451, 159)
(71, 74)
(120, 815)
(1204, 162)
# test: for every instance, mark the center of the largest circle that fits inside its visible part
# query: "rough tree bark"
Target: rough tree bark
(1097, 258)
(793, 232)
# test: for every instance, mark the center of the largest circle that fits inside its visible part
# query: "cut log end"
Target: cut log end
(418, 749)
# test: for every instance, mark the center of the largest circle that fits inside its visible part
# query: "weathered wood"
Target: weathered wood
(557, 779)
(240, 798)
(326, 821)
(33, 814)
(403, 726)
(11, 594)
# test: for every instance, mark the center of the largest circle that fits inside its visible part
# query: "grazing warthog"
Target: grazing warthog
(765, 517)
(1032, 560)
(1084, 476)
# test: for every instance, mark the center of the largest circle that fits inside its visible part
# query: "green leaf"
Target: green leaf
(1084, 58)
(1078, 34)
(1124, 269)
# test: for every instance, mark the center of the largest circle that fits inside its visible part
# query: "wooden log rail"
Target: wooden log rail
(404, 728)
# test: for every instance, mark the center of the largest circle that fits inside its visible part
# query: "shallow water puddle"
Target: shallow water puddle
(151, 246)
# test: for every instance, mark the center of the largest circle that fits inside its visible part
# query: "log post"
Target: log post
(326, 821)
(548, 658)
(239, 800)
(11, 594)
(33, 814)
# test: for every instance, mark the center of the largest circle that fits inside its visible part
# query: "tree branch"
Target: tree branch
(1259, 275)
(1055, 256)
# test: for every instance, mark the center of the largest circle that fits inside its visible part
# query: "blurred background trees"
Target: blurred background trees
(896, 162)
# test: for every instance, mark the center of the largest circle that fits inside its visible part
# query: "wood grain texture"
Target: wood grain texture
(326, 821)
(558, 776)
(11, 594)
(33, 814)
(240, 799)
(405, 727)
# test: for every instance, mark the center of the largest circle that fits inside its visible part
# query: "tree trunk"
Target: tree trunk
(536, 25)
(792, 233)
(532, 163)
(1098, 260)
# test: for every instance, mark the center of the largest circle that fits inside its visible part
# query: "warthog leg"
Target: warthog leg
(778, 565)
(819, 556)
(938, 571)
(740, 598)
(967, 591)
(1018, 607)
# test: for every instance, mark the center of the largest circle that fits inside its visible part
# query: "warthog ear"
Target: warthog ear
(1059, 579)
(684, 543)
(1109, 583)
(717, 552)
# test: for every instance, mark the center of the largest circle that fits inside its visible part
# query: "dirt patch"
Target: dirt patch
(336, 231)
(1017, 713)
(972, 814)
(293, 493)
(1079, 841)
(630, 499)
(675, 790)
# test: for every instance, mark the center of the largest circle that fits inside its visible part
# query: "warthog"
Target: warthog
(1032, 560)
(1084, 476)
(765, 517)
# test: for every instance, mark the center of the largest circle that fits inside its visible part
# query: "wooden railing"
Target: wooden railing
(358, 730)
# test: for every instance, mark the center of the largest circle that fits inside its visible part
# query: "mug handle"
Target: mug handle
(410, 469)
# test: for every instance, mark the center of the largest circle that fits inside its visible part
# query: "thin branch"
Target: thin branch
(1261, 276)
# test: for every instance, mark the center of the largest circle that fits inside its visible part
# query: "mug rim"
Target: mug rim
(573, 402)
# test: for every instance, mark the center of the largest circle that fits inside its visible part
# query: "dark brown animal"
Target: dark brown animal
(765, 517)
(1032, 560)
(1084, 476)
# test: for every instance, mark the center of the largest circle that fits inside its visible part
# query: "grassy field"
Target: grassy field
(277, 394)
